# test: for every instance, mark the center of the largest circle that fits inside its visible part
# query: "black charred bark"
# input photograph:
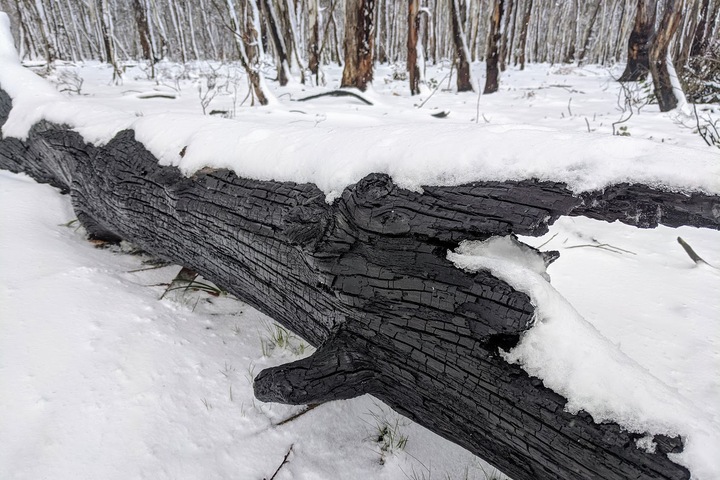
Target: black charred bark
(367, 281)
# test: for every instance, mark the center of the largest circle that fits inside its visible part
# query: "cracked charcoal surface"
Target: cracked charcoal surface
(366, 280)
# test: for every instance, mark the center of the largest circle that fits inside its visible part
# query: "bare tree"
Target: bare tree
(522, 41)
(462, 55)
(493, 71)
(359, 43)
(659, 55)
(278, 41)
(638, 61)
(314, 39)
(412, 46)
(143, 31)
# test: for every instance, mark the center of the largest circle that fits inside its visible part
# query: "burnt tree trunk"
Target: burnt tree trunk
(462, 56)
(659, 55)
(638, 61)
(492, 68)
(143, 30)
(412, 46)
(366, 279)
(359, 43)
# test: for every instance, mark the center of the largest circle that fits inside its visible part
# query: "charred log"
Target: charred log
(366, 279)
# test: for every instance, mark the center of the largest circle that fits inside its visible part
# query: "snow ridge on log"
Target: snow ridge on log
(366, 280)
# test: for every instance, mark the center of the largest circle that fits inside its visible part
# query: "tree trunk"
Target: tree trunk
(491, 57)
(281, 52)
(659, 55)
(588, 32)
(359, 41)
(366, 279)
(639, 44)
(462, 55)
(700, 40)
(314, 43)
(143, 30)
(506, 37)
(412, 46)
(108, 40)
(524, 33)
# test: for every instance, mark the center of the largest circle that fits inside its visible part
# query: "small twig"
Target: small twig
(569, 110)
(297, 415)
(691, 253)
(154, 267)
(548, 241)
(603, 246)
(588, 125)
(434, 90)
(621, 121)
(285, 460)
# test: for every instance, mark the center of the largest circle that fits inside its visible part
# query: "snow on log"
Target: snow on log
(366, 279)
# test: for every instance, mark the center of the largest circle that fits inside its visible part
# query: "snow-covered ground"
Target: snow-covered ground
(101, 378)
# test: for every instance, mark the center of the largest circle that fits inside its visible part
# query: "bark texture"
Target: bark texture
(493, 43)
(359, 43)
(659, 55)
(412, 46)
(638, 61)
(366, 279)
(462, 56)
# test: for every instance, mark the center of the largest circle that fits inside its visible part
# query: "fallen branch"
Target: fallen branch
(337, 93)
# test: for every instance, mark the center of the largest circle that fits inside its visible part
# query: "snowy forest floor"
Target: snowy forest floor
(100, 377)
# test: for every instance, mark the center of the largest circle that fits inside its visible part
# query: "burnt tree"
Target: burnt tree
(638, 59)
(462, 56)
(367, 281)
(412, 46)
(359, 43)
(493, 43)
(659, 55)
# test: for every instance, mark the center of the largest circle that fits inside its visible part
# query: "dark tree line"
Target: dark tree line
(304, 35)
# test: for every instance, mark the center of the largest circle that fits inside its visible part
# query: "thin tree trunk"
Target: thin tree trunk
(143, 30)
(588, 32)
(412, 46)
(281, 52)
(314, 43)
(639, 44)
(700, 40)
(662, 81)
(462, 56)
(491, 57)
(107, 38)
(505, 35)
(524, 34)
(359, 42)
